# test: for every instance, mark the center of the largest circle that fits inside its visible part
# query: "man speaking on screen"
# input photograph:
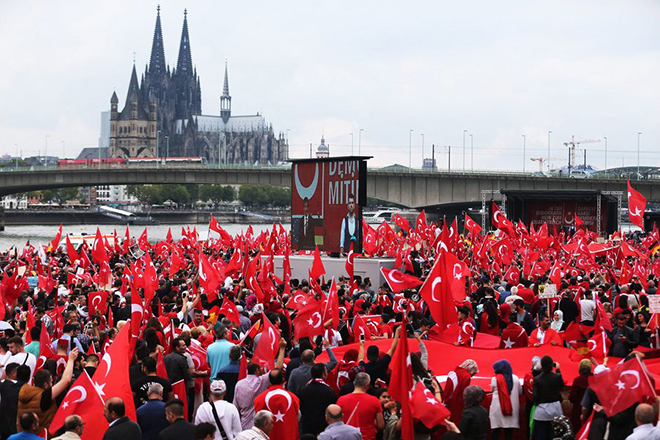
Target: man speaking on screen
(351, 229)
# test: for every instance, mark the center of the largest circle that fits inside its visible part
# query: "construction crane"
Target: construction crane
(542, 160)
(571, 151)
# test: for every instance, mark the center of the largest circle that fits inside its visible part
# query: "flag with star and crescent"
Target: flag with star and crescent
(285, 407)
(83, 400)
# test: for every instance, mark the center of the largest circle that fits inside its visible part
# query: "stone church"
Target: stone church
(162, 116)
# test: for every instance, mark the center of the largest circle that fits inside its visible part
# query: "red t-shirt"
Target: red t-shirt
(285, 407)
(362, 416)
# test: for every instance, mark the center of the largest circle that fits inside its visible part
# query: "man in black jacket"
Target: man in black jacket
(9, 390)
(314, 399)
(623, 338)
(179, 429)
(121, 428)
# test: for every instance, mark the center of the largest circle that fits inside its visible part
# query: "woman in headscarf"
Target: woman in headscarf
(505, 407)
(457, 381)
(558, 323)
(547, 398)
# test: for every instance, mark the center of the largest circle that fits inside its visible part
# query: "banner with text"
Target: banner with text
(326, 200)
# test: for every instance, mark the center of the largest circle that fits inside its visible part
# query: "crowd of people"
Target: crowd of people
(198, 369)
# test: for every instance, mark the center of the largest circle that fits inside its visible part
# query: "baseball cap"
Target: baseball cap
(218, 387)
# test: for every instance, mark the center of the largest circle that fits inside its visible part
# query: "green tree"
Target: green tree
(60, 195)
(258, 195)
(176, 193)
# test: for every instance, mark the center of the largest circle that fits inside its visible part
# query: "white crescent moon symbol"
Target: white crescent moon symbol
(392, 278)
(108, 360)
(83, 393)
(568, 219)
(318, 315)
(636, 213)
(197, 362)
(495, 217)
(592, 347)
(94, 300)
(280, 392)
(433, 284)
(451, 231)
(631, 373)
(271, 335)
(306, 191)
(458, 274)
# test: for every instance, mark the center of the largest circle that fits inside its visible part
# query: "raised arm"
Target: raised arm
(397, 335)
(279, 363)
(66, 376)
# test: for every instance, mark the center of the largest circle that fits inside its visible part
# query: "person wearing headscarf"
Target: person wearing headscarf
(558, 323)
(457, 381)
(505, 314)
(578, 389)
(505, 407)
(528, 388)
(547, 398)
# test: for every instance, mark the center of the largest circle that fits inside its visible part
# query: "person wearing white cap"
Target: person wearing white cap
(220, 413)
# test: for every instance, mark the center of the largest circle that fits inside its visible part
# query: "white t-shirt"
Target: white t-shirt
(19, 359)
(228, 415)
(333, 337)
(587, 307)
(3, 361)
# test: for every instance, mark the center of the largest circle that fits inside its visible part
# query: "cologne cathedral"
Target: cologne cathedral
(162, 116)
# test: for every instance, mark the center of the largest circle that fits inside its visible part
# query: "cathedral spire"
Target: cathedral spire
(157, 61)
(184, 63)
(225, 88)
(225, 99)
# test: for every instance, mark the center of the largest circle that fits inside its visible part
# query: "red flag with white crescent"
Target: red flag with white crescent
(399, 281)
(84, 400)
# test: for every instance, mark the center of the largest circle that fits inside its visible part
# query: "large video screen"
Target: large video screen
(563, 213)
(326, 207)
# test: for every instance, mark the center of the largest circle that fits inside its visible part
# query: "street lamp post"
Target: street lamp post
(17, 156)
(548, 159)
(167, 141)
(464, 132)
(351, 144)
(524, 152)
(422, 150)
(410, 150)
(471, 153)
(605, 138)
(360, 141)
(638, 136)
(46, 151)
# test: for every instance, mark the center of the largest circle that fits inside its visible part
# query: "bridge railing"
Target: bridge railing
(653, 174)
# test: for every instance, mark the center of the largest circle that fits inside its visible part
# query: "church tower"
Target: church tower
(225, 99)
(188, 89)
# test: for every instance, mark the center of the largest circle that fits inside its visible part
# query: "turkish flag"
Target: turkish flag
(426, 408)
(308, 322)
(143, 241)
(235, 263)
(512, 275)
(399, 281)
(501, 222)
(401, 382)
(71, 252)
(420, 224)
(56, 241)
(179, 390)
(97, 301)
(317, 265)
(626, 384)
(98, 249)
(359, 328)
(268, 346)
(402, 222)
(555, 274)
(161, 370)
(472, 226)
(175, 262)
(583, 433)
(503, 252)
(636, 206)
(45, 348)
(208, 278)
(514, 336)
(230, 311)
(350, 263)
(299, 300)
(284, 406)
(437, 293)
(111, 376)
(578, 221)
(215, 226)
(330, 306)
(137, 311)
(198, 355)
(84, 400)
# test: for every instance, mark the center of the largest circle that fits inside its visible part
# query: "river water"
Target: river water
(19, 235)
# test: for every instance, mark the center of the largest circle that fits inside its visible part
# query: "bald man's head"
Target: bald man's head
(114, 409)
(74, 423)
(333, 413)
(644, 414)
(307, 357)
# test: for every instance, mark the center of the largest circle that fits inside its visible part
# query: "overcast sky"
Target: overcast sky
(499, 69)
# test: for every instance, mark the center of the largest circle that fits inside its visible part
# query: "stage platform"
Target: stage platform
(335, 267)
